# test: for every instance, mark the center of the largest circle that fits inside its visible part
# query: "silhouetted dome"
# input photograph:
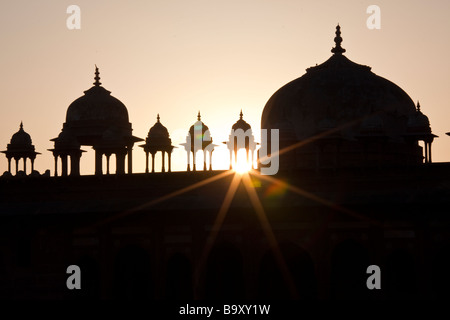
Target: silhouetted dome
(97, 104)
(351, 102)
(418, 122)
(21, 140)
(341, 90)
(241, 124)
(158, 135)
(89, 116)
(198, 125)
(158, 130)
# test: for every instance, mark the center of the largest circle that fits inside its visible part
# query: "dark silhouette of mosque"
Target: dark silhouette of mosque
(354, 188)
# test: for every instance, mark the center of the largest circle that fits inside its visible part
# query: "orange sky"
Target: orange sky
(180, 56)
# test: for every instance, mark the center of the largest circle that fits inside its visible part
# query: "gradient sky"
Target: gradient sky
(175, 57)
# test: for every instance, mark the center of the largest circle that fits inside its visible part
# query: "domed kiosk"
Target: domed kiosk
(99, 120)
(241, 137)
(198, 138)
(158, 140)
(20, 147)
(340, 114)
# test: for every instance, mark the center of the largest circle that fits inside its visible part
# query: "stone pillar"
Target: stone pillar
(163, 168)
(204, 160)
(153, 162)
(188, 160)
(120, 162)
(32, 164)
(130, 159)
(64, 165)
(9, 165)
(429, 152)
(210, 160)
(98, 163)
(17, 165)
(426, 152)
(107, 163)
(75, 163)
(56, 165)
(170, 159)
(25, 164)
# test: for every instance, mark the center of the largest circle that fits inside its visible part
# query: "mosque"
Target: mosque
(355, 186)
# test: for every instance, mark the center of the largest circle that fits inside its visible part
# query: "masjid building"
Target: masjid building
(355, 186)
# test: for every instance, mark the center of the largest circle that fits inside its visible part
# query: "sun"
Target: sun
(242, 165)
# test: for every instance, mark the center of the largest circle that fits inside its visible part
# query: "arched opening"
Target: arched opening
(273, 283)
(132, 274)
(224, 273)
(179, 278)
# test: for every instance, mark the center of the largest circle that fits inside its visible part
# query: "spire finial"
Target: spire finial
(97, 82)
(199, 117)
(241, 115)
(21, 125)
(157, 118)
(338, 40)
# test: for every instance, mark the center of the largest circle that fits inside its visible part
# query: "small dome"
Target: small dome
(21, 139)
(418, 121)
(158, 130)
(158, 135)
(241, 124)
(199, 125)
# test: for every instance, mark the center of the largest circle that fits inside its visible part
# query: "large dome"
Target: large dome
(341, 91)
(339, 96)
(97, 104)
(90, 116)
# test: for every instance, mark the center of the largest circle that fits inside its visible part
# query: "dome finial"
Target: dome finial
(199, 117)
(21, 125)
(157, 118)
(241, 115)
(338, 40)
(97, 83)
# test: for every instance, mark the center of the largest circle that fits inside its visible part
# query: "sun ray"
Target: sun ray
(217, 225)
(257, 205)
(164, 198)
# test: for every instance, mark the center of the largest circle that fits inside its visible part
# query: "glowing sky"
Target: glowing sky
(175, 57)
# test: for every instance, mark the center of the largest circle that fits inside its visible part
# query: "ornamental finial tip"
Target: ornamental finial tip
(97, 82)
(338, 40)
